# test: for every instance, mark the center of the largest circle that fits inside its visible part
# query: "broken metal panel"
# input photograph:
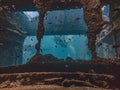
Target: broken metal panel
(11, 39)
(111, 35)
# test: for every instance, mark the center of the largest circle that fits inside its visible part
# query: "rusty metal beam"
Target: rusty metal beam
(28, 5)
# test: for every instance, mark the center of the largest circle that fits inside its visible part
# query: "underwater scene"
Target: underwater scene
(59, 44)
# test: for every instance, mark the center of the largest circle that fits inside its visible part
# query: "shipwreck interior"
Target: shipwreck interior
(67, 43)
(66, 33)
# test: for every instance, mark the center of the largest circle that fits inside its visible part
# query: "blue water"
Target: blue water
(74, 46)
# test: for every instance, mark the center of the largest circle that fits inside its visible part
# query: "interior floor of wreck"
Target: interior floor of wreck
(61, 44)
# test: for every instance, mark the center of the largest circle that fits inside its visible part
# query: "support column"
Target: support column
(40, 31)
(94, 21)
(92, 44)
